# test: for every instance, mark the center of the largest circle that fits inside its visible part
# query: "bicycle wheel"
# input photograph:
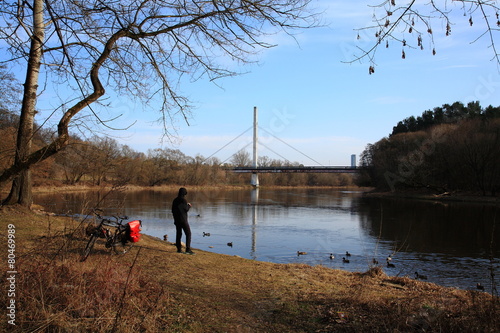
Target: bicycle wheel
(119, 242)
(120, 247)
(89, 247)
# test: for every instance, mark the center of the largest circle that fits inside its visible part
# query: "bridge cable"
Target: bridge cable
(227, 144)
(248, 144)
(312, 159)
(286, 159)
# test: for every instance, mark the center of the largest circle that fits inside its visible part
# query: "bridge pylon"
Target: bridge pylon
(254, 181)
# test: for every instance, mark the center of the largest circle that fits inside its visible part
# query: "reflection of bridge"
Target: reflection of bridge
(255, 169)
(297, 169)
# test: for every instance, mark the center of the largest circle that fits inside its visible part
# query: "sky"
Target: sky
(321, 108)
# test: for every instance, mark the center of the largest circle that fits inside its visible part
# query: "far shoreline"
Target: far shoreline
(83, 188)
(456, 196)
(368, 192)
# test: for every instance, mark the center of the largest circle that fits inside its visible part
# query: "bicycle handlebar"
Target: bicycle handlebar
(106, 221)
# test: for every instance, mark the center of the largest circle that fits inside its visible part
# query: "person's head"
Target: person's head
(182, 192)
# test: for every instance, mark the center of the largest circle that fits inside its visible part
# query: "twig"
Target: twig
(120, 307)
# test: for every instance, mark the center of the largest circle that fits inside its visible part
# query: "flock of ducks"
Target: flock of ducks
(346, 260)
(389, 264)
(207, 234)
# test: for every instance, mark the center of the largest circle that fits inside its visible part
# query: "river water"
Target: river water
(453, 244)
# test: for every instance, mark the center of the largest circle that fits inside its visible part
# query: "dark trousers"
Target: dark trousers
(178, 235)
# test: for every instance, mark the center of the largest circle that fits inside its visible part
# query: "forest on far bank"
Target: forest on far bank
(103, 161)
(454, 147)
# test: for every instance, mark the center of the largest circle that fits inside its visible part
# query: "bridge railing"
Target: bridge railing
(296, 169)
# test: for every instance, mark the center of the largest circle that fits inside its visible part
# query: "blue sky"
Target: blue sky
(310, 98)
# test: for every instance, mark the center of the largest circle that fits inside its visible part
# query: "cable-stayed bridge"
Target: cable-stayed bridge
(255, 169)
(297, 169)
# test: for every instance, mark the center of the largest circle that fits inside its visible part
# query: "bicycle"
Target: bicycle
(120, 241)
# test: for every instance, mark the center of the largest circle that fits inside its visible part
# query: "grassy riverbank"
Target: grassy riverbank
(154, 289)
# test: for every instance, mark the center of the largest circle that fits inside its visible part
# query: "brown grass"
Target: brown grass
(154, 289)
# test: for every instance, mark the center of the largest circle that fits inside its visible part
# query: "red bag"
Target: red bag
(134, 233)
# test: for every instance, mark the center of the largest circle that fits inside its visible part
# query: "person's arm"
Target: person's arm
(184, 206)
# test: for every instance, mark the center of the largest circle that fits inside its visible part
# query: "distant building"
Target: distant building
(353, 160)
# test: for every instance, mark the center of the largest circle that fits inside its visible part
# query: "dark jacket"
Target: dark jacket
(180, 207)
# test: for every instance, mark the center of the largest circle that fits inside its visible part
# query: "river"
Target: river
(452, 244)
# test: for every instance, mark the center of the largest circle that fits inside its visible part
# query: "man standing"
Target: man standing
(180, 207)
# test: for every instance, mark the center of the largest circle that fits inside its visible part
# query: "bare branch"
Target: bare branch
(141, 49)
(416, 20)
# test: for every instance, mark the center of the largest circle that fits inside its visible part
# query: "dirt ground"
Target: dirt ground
(154, 289)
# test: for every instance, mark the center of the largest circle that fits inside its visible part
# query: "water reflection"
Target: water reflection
(255, 205)
(453, 244)
(431, 227)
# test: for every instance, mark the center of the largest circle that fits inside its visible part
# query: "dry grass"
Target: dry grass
(154, 289)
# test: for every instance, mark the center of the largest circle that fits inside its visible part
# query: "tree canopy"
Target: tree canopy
(138, 48)
(446, 114)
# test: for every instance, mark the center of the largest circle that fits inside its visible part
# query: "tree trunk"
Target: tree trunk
(21, 190)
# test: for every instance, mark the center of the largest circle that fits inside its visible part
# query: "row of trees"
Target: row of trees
(463, 155)
(102, 160)
(446, 114)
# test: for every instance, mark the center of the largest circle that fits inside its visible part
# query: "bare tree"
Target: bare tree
(9, 96)
(9, 100)
(241, 158)
(76, 161)
(413, 24)
(138, 48)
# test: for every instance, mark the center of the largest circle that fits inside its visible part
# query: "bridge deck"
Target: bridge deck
(303, 169)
